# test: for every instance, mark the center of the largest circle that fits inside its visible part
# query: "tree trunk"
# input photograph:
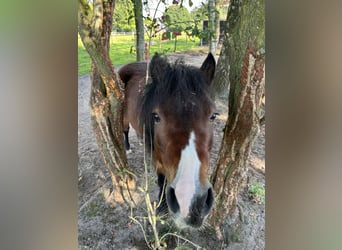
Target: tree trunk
(139, 28)
(244, 49)
(175, 45)
(217, 25)
(219, 86)
(107, 96)
(211, 27)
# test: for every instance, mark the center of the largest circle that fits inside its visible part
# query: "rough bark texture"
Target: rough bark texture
(219, 86)
(107, 96)
(244, 48)
(139, 27)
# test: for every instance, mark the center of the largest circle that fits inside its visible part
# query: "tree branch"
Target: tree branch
(98, 17)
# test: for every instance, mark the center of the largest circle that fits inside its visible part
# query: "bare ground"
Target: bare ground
(105, 224)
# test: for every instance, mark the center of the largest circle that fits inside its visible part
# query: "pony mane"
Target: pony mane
(180, 87)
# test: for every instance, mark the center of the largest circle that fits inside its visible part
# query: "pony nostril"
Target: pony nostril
(172, 200)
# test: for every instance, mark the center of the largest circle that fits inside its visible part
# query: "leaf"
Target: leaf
(167, 19)
(129, 19)
(190, 3)
(195, 32)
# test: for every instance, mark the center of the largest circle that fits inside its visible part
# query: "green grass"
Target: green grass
(122, 50)
(256, 192)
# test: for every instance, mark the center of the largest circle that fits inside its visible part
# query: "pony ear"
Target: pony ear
(208, 67)
(158, 66)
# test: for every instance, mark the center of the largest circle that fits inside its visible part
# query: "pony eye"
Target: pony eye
(213, 117)
(156, 117)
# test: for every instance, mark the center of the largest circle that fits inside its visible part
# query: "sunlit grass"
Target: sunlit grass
(122, 49)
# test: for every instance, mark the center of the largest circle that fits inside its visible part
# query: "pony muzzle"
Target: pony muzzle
(191, 213)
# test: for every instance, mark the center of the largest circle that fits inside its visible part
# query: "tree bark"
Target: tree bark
(211, 27)
(175, 44)
(107, 95)
(139, 27)
(217, 25)
(244, 49)
(219, 86)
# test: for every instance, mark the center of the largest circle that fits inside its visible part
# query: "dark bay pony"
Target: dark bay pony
(175, 112)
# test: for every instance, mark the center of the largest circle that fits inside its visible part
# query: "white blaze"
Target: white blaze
(187, 177)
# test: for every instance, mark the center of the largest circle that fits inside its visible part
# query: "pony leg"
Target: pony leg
(162, 208)
(127, 145)
(126, 131)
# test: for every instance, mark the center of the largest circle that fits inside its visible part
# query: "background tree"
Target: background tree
(106, 98)
(211, 26)
(211, 32)
(242, 59)
(177, 19)
(123, 16)
(200, 12)
(139, 30)
(125, 12)
(216, 28)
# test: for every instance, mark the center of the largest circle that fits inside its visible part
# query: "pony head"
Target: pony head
(177, 113)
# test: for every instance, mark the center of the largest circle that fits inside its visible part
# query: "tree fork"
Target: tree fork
(107, 95)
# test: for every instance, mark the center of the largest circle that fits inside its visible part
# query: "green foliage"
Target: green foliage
(256, 192)
(123, 19)
(200, 13)
(151, 26)
(183, 248)
(223, 12)
(177, 18)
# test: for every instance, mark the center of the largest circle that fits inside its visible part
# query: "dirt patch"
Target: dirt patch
(104, 224)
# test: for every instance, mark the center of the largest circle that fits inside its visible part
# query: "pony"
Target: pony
(174, 113)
